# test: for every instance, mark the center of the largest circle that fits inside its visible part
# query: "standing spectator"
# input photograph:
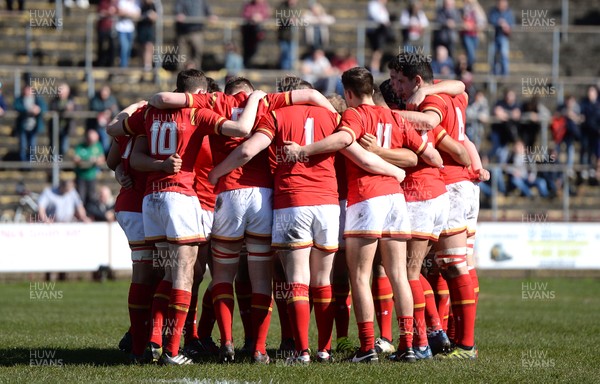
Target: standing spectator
(190, 37)
(379, 36)
(107, 11)
(474, 21)
(533, 112)
(317, 26)
(61, 205)
(478, 115)
(590, 131)
(89, 155)
(63, 104)
(107, 107)
(504, 129)
(102, 208)
(442, 63)
(288, 21)
(254, 12)
(30, 120)
(571, 113)
(128, 11)
(501, 17)
(414, 22)
(146, 32)
(448, 18)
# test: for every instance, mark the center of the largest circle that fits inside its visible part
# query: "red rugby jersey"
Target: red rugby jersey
(203, 165)
(309, 181)
(130, 200)
(171, 131)
(451, 110)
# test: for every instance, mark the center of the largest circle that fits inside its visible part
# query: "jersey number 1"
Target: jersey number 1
(461, 125)
(159, 143)
(384, 135)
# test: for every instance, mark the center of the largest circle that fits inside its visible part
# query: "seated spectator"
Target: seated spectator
(590, 132)
(442, 64)
(107, 107)
(478, 115)
(30, 121)
(533, 112)
(317, 26)
(317, 70)
(234, 63)
(571, 113)
(89, 155)
(61, 205)
(102, 208)
(504, 127)
(521, 177)
(414, 22)
(344, 60)
(63, 104)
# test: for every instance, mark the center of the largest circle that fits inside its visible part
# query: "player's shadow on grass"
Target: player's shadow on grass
(48, 356)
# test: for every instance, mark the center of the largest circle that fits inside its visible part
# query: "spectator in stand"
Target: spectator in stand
(571, 112)
(288, 22)
(448, 18)
(474, 21)
(317, 70)
(590, 132)
(463, 74)
(478, 115)
(30, 121)
(89, 155)
(127, 12)
(523, 177)
(414, 22)
(83, 4)
(501, 17)
(507, 114)
(379, 36)
(442, 64)
(102, 208)
(190, 37)
(254, 12)
(234, 63)
(344, 60)
(145, 32)
(107, 107)
(533, 112)
(3, 106)
(317, 23)
(61, 205)
(64, 104)
(107, 11)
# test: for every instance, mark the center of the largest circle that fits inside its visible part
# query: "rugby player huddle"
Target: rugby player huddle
(295, 198)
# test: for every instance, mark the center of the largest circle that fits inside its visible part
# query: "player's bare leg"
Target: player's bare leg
(321, 265)
(260, 269)
(360, 253)
(182, 274)
(225, 265)
(393, 257)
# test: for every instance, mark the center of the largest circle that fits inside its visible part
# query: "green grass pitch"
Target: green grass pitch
(528, 331)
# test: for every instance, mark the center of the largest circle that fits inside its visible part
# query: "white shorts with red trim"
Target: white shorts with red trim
(243, 212)
(133, 225)
(308, 226)
(206, 220)
(428, 217)
(462, 200)
(378, 217)
(172, 217)
(473, 213)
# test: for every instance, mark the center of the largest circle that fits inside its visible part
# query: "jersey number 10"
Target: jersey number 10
(159, 142)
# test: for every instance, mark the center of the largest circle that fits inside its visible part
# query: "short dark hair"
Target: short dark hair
(412, 64)
(236, 84)
(389, 95)
(338, 102)
(358, 80)
(190, 80)
(212, 86)
(292, 83)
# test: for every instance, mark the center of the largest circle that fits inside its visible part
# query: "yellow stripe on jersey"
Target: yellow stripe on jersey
(224, 296)
(440, 135)
(193, 117)
(161, 296)
(264, 307)
(383, 297)
(297, 298)
(422, 148)
(135, 306)
(429, 292)
(219, 125)
(419, 306)
(323, 300)
(288, 98)
(178, 307)
(463, 302)
(190, 100)
(265, 132)
(350, 131)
